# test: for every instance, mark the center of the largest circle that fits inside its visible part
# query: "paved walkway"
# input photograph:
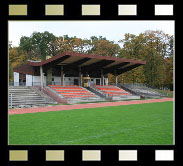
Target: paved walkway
(81, 106)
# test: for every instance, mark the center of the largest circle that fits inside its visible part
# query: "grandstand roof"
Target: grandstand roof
(87, 63)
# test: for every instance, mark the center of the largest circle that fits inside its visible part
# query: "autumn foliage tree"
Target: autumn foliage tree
(154, 47)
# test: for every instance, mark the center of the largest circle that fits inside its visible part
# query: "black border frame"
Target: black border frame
(72, 11)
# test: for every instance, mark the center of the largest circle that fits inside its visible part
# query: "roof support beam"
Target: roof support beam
(97, 65)
(55, 62)
(115, 67)
(76, 64)
(123, 70)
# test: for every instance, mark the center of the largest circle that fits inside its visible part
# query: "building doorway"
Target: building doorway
(22, 79)
(76, 82)
(97, 81)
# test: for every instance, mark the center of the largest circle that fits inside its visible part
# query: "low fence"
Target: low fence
(11, 100)
(26, 84)
(37, 83)
(17, 84)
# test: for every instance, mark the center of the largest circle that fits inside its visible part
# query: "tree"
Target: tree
(103, 47)
(16, 57)
(153, 47)
(37, 45)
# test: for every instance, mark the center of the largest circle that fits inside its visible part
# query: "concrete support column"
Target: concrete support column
(102, 78)
(62, 76)
(116, 80)
(49, 77)
(80, 77)
(41, 77)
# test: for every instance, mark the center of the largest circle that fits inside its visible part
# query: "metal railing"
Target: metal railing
(109, 95)
(26, 84)
(17, 84)
(65, 83)
(142, 89)
(37, 83)
(11, 100)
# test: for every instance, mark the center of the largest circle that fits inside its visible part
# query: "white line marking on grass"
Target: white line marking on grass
(116, 132)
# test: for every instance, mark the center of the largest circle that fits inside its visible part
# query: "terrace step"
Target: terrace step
(74, 94)
(26, 96)
(142, 90)
(110, 91)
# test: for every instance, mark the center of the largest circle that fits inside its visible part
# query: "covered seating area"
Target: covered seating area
(77, 76)
(69, 68)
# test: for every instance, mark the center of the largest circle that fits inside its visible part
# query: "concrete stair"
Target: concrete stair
(114, 93)
(26, 97)
(75, 94)
(143, 91)
(94, 98)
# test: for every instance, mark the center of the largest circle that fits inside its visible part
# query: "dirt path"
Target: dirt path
(81, 106)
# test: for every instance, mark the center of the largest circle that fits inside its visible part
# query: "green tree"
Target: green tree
(103, 47)
(37, 45)
(153, 47)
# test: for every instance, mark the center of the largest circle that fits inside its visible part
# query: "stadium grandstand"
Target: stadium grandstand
(71, 78)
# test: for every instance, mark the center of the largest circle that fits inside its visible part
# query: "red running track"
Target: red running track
(81, 106)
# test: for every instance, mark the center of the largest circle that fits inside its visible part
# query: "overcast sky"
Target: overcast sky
(112, 30)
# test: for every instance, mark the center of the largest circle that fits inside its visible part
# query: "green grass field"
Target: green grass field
(150, 123)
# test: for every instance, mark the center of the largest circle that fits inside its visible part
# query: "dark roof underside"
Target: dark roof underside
(85, 62)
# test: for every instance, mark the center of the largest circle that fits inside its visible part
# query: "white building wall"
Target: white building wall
(37, 80)
(67, 80)
(57, 80)
(106, 81)
(16, 78)
(94, 81)
(28, 80)
(70, 80)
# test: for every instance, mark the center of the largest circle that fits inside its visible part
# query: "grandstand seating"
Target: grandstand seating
(142, 90)
(72, 91)
(110, 90)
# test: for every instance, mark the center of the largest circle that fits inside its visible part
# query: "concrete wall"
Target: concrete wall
(54, 95)
(16, 78)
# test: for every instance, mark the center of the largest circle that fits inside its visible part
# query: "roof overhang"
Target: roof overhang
(88, 63)
(24, 69)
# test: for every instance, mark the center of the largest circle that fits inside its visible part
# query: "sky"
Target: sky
(112, 30)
